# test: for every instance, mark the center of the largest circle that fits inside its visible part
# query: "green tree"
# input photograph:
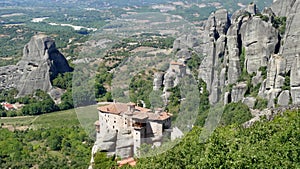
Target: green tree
(235, 113)
(104, 162)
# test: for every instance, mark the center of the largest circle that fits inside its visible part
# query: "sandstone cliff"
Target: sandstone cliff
(41, 61)
(248, 50)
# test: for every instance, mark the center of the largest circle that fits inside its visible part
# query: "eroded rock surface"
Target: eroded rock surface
(40, 62)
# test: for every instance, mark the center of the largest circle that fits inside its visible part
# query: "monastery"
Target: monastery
(123, 128)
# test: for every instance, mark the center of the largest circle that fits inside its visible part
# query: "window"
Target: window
(114, 121)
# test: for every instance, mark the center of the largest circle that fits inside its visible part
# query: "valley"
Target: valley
(149, 84)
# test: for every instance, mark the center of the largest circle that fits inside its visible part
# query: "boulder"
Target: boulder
(284, 98)
(249, 101)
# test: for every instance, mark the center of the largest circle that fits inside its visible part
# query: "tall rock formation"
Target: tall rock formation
(41, 61)
(214, 43)
(259, 39)
(246, 51)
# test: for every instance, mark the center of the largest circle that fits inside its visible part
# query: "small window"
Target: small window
(114, 121)
(113, 127)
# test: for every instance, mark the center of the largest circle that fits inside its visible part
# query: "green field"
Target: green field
(67, 118)
(61, 139)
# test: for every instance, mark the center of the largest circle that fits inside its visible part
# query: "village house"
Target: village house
(8, 106)
(15, 106)
(123, 128)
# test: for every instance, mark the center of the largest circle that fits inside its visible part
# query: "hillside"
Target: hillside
(264, 145)
(222, 71)
(55, 140)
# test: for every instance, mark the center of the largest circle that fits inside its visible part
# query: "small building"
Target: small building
(123, 128)
(8, 106)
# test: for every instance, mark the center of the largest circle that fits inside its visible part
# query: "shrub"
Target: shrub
(264, 72)
(261, 103)
(235, 113)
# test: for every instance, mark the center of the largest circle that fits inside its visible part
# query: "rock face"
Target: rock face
(244, 44)
(188, 41)
(40, 62)
(284, 98)
(291, 39)
(282, 7)
(259, 39)
(214, 42)
(247, 54)
(238, 92)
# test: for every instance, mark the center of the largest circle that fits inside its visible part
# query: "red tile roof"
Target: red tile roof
(9, 106)
(129, 161)
(139, 112)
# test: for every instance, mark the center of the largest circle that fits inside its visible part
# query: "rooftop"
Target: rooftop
(129, 161)
(139, 113)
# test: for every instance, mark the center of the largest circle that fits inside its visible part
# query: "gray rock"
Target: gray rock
(227, 98)
(284, 98)
(257, 79)
(233, 53)
(41, 61)
(295, 93)
(268, 12)
(249, 101)
(186, 41)
(214, 42)
(56, 94)
(295, 72)
(259, 39)
(262, 90)
(252, 9)
(158, 80)
(276, 72)
(271, 95)
(238, 92)
(291, 39)
(184, 55)
(282, 7)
